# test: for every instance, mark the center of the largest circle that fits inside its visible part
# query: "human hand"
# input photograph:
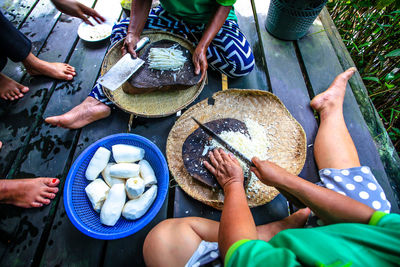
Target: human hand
(269, 173)
(129, 44)
(225, 167)
(200, 61)
(79, 10)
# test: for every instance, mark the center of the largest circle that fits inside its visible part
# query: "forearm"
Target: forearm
(214, 25)
(329, 205)
(236, 220)
(139, 12)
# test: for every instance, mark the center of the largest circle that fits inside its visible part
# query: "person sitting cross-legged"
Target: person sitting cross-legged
(355, 234)
(210, 24)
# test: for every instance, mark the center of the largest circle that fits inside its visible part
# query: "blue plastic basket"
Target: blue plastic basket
(80, 210)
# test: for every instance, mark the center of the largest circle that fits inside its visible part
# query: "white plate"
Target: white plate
(95, 33)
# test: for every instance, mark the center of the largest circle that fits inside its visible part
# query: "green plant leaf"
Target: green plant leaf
(394, 53)
(375, 79)
(389, 86)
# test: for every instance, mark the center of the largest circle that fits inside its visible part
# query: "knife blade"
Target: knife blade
(224, 143)
(123, 69)
(246, 160)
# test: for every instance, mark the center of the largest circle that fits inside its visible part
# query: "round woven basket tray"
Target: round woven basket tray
(153, 104)
(287, 137)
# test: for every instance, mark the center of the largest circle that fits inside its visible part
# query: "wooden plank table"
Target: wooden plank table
(295, 71)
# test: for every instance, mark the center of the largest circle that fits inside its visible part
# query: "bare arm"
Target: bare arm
(330, 206)
(139, 12)
(213, 27)
(79, 10)
(236, 220)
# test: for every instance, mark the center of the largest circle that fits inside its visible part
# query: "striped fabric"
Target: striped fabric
(228, 53)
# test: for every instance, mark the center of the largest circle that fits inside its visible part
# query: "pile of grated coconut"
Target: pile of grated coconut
(257, 144)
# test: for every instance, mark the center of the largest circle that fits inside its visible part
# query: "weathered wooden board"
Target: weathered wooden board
(322, 67)
(387, 152)
(16, 11)
(256, 79)
(39, 158)
(66, 245)
(288, 84)
(22, 116)
(49, 150)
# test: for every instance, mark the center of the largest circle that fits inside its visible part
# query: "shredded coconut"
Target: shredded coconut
(256, 144)
(169, 58)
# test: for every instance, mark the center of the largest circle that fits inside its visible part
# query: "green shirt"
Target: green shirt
(344, 244)
(196, 11)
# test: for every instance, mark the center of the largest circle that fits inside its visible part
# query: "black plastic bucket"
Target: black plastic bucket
(289, 22)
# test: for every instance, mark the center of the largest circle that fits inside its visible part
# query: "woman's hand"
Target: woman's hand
(79, 10)
(225, 167)
(129, 44)
(200, 61)
(269, 173)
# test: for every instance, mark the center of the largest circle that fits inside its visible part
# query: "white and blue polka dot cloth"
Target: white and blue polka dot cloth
(358, 183)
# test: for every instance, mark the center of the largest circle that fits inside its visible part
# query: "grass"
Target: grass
(371, 32)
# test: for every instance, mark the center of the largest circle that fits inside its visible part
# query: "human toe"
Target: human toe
(52, 182)
(24, 89)
(43, 200)
(52, 189)
(36, 204)
(9, 97)
(68, 77)
(48, 195)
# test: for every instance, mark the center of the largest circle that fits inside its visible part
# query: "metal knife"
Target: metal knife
(224, 143)
(246, 160)
(123, 69)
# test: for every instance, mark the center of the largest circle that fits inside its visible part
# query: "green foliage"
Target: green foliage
(371, 32)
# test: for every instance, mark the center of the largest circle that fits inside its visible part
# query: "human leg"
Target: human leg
(28, 193)
(333, 146)
(35, 66)
(13, 45)
(335, 153)
(174, 242)
(88, 111)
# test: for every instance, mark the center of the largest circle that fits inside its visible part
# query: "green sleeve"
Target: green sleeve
(376, 217)
(258, 253)
(226, 2)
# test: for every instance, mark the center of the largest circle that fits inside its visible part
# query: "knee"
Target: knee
(243, 67)
(240, 62)
(158, 241)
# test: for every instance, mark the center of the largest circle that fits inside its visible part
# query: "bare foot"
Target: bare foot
(88, 111)
(296, 220)
(333, 97)
(28, 193)
(36, 66)
(10, 89)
